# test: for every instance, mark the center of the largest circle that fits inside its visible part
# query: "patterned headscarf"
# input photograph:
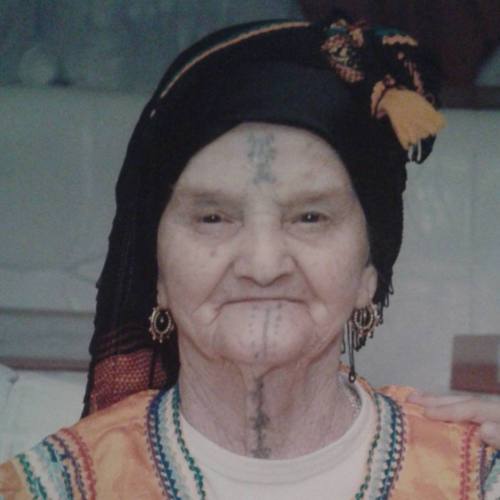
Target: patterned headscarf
(328, 78)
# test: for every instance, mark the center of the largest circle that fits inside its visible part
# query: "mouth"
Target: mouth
(242, 300)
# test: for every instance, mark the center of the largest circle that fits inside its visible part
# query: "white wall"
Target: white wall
(447, 279)
(60, 153)
(113, 44)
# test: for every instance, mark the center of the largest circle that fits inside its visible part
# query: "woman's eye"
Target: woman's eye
(214, 224)
(211, 219)
(311, 217)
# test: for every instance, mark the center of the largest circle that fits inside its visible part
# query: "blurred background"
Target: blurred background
(74, 77)
(125, 44)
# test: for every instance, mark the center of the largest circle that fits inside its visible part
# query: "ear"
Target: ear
(367, 286)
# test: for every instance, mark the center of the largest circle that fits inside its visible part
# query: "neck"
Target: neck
(265, 412)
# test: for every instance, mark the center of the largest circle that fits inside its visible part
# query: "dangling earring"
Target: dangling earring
(359, 327)
(161, 324)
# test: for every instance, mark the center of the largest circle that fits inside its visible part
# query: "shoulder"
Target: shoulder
(115, 427)
(98, 431)
(422, 426)
(449, 452)
(121, 416)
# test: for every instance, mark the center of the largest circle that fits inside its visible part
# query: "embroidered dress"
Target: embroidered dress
(135, 449)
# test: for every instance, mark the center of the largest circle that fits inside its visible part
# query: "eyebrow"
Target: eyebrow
(317, 195)
(203, 197)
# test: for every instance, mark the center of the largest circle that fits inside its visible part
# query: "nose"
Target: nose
(263, 255)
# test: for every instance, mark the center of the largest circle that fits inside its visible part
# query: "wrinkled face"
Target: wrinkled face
(263, 249)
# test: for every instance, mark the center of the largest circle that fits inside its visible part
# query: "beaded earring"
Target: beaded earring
(161, 324)
(359, 327)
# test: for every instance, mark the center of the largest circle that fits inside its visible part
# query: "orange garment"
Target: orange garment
(132, 450)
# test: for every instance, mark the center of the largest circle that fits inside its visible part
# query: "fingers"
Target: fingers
(489, 432)
(431, 400)
(455, 412)
(463, 408)
(458, 408)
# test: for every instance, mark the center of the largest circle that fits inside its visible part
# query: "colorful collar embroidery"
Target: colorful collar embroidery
(181, 478)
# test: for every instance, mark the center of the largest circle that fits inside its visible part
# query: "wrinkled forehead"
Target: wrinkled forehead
(254, 156)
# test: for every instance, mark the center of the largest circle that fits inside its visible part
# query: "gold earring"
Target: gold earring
(161, 324)
(359, 327)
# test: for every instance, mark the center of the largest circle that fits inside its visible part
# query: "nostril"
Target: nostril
(264, 262)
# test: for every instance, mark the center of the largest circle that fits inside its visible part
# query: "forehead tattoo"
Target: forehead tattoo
(261, 153)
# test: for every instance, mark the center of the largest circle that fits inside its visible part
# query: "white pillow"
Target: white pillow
(38, 404)
(7, 378)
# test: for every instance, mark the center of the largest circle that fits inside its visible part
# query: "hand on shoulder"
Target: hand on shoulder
(462, 408)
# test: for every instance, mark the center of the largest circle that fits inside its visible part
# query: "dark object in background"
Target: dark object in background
(461, 33)
(476, 363)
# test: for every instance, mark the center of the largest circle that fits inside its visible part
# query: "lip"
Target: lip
(262, 299)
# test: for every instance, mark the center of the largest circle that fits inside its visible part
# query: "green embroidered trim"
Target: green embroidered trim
(198, 476)
(34, 482)
(371, 454)
(388, 454)
(493, 475)
(64, 489)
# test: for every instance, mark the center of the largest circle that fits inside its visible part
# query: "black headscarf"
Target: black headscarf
(291, 73)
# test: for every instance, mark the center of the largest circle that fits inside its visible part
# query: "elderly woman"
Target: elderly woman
(259, 218)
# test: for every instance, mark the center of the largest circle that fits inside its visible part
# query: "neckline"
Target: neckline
(275, 471)
(181, 477)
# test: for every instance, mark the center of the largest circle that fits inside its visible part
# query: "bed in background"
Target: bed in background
(34, 404)
(60, 153)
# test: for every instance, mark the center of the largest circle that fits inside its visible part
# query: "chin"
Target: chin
(264, 334)
(262, 355)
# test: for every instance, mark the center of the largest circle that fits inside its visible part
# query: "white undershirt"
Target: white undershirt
(336, 471)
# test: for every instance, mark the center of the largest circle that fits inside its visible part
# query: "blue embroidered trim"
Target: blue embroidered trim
(198, 476)
(34, 482)
(493, 474)
(50, 464)
(67, 456)
(56, 470)
(395, 447)
(386, 452)
(163, 427)
(160, 459)
(179, 475)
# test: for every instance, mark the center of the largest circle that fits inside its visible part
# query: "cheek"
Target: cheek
(188, 272)
(341, 278)
(334, 274)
